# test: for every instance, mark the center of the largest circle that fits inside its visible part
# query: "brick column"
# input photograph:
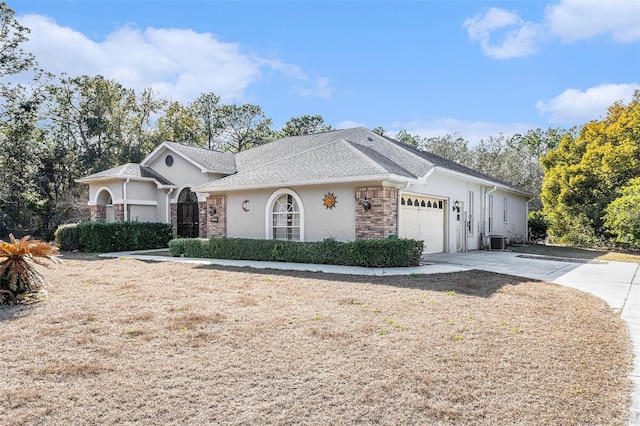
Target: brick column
(217, 223)
(202, 219)
(174, 218)
(118, 212)
(98, 212)
(381, 220)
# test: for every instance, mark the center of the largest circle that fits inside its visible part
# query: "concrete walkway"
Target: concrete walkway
(617, 283)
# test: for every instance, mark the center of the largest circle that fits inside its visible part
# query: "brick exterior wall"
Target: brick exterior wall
(174, 218)
(118, 212)
(202, 219)
(98, 212)
(381, 220)
(217, 223)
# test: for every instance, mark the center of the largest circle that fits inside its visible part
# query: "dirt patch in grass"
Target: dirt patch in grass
(126, 341)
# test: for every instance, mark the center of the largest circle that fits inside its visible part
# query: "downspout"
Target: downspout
(124, 199)
(168, 206)
(486, 212)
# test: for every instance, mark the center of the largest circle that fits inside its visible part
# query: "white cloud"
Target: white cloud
(519, 38)
(349, 124)
(321, 89)
(577, 107)
(178, 63)
(473, 131)
(568, 20)
(578, 20)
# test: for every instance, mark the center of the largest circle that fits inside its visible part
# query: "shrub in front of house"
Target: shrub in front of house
(369, 253)
(102, 237)
(538, 226)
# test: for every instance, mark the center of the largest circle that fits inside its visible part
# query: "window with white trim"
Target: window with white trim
(285, 218)
(504, 211)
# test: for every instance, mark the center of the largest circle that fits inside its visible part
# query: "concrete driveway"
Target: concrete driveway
(617, 283)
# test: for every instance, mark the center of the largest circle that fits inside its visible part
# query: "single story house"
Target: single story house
(344, 184)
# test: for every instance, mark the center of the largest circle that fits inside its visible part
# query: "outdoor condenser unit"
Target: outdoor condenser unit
(496, 242)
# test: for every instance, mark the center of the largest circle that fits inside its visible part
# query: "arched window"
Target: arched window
(285, 216)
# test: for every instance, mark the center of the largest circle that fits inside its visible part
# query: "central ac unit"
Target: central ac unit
(496, 242)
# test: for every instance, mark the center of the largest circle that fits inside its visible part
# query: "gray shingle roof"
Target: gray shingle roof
(210, 160)
(356, 154)
(129, 170)
(452, 165)
(349, 154)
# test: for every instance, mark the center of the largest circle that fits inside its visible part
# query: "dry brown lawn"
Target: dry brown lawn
(128, 342)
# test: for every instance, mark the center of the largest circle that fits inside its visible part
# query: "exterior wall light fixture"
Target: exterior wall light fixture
(366, 204)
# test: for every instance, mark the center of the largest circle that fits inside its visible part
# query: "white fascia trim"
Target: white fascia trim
(423, 179)
(114, 178)
(421, 194)
(387, 179)
(136, 202)
(480, 180)
(155, 153)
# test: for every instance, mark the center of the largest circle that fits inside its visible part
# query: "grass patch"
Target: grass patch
(205, 344)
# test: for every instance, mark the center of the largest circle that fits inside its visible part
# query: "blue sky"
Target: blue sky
(430, 67)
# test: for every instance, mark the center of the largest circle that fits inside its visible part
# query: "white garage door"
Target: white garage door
(422, 218)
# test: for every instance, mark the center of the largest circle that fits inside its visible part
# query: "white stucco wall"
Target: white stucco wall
(320, 222)
(182, 173)
(515, 225)
(339, 222)
(143, 213)
(115, 187)
(453, 189)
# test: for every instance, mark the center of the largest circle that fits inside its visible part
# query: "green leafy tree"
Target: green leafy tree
(451, 146)
(20, 140)
(379, 131)
(13, 59)
(524, 168)
(102, 121)
(207, 109)
(243, 127)
(411, 140)
(179, 124)
(304, 125)
(18, 117)
(622, 215)
(584, 174)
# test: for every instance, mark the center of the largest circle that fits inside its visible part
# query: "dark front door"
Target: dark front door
(188, 224)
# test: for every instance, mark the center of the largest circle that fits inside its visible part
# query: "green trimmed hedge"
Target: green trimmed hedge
(102, 237)
(378, 253)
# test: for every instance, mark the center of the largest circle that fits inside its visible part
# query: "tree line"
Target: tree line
(59, 128)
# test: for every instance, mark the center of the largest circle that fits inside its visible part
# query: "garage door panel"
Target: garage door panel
(424, 223)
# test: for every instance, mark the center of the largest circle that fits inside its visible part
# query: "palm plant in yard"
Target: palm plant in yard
(18, 260)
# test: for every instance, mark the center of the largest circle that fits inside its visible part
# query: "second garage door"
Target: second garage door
(422, 218)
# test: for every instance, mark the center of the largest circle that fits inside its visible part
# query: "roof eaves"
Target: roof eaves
(483, 180)
(125, 177)
(168, 145)
(369, 178)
